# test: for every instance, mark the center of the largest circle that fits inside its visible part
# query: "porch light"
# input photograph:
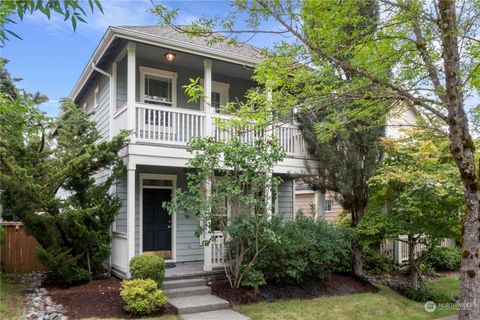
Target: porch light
(169, 56)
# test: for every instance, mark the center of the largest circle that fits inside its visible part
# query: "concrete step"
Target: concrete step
(183, 283)
(200, 303)
(225, 314)
(187, 291)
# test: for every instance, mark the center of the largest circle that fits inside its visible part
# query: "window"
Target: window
(328, 205)
(219, 95)
(158, 87)
(158, 90)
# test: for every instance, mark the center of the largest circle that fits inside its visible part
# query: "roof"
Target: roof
(169, 32)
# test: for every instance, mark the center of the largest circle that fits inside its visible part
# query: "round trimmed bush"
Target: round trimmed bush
(148, 267)
(142, 296)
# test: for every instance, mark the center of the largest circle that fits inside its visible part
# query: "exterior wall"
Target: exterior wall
(332, 216)
(402, 118)
(303, 201)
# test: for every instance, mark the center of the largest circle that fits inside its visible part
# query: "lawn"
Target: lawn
(448, 285)
(386, 304)
(12, 296)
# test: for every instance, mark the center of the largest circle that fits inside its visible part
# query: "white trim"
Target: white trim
(161, 73)
(173, 187)
(304, 191)
(96, 102)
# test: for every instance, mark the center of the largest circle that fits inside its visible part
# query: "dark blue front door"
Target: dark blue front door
(157, 232)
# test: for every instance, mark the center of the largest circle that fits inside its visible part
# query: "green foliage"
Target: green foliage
(237, 174)
(306, 249)
(445, 259)
(253, 278)
(376, 263)
(142, 296)
(148, 267)
(428, 270)
(427, 294)
(47, 172)
(71, 10)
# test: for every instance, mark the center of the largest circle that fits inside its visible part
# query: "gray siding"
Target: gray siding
(285, 200)
(121, 82)
(121, 192)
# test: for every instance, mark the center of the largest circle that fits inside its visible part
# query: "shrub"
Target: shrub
(148, 267)
(253, 278)
(306, 249)
(427, 294)
(445, 259)
(376, 263)
(142, 296)
(427, 270)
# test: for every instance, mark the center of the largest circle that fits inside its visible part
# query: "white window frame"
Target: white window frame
(160, 73)
(173, 187)
(331, 205)
(221, 87)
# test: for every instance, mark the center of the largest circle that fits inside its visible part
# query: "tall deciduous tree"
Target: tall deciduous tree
(426, 52)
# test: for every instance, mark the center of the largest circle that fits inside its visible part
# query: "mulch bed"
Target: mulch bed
(98, 299)
(335, 285)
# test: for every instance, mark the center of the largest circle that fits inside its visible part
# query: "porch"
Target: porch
(186, 270)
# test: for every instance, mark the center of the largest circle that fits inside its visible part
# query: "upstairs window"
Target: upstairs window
(158, 87)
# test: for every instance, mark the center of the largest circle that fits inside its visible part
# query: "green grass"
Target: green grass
(12, 296)
(448, 285)
(386, 304)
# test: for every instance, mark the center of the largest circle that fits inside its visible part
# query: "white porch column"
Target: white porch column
(131, 90)
(320, 205)
(268, 187)
(207, 250)
(207, 99)
(130, 213)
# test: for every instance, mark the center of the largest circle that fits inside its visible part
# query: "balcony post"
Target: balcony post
(207, 98)
(131, 90)
(319, 205)
(130, 213)
(268, 187)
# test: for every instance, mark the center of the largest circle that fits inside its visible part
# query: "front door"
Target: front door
(157, 223)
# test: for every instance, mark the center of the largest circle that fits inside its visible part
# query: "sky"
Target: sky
(51, 56)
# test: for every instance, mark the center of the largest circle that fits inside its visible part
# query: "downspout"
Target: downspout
(94, 67)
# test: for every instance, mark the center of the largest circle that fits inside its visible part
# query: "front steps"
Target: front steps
(194, 301)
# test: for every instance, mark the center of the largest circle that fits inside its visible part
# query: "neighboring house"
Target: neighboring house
(134, 81)
(325, 204)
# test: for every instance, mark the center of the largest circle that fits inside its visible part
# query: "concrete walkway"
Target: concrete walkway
(193, 300)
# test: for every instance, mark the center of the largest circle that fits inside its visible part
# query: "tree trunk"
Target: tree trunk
(357, 255)
(462, 149)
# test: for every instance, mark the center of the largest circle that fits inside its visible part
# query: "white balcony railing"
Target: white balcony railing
(176, 126)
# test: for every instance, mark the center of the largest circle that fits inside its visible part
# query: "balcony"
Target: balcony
(175, 126)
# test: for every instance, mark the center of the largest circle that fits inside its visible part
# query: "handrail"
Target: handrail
(170, 109)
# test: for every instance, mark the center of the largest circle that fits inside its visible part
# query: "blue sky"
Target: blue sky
(51, 55)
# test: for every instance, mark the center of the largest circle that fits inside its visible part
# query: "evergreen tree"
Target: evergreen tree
(47, 172)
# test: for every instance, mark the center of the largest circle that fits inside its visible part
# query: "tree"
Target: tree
(47, 172)
(226, 192)
(424, 52)
(419, 184)
(71, 10)
(348, 161)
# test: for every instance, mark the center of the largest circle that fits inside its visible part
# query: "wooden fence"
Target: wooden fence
(18, 250)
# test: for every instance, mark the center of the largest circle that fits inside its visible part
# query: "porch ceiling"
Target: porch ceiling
(191, 61)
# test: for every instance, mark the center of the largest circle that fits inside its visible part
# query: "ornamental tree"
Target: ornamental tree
(226, 189)
(416, 192)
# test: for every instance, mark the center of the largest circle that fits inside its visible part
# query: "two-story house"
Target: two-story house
(134, 81)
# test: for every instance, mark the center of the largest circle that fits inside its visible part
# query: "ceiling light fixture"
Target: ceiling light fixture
(169, 56)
